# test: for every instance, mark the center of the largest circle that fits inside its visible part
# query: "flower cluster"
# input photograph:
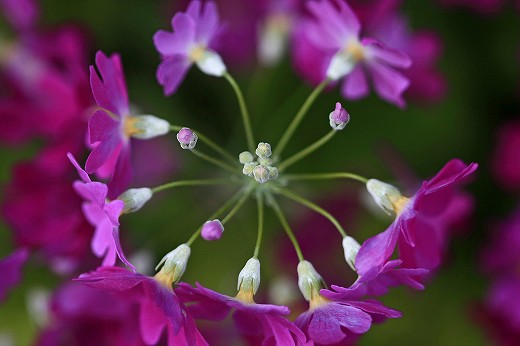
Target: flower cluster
(332, 42)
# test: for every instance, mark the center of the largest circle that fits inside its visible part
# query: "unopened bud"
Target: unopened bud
(273, 172)
(149, 126)
(211, 63)
(339, 118)
(351, 248)
(245, 157)
(265, 161)
(387, 196)
(249, 280)
(134, 199)
(187, 138)
(261, 174)
(309, 281)
(248, 168)
(173, 265)
(263, 150)
(212, 230)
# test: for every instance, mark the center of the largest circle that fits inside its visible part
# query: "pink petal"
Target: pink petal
(355, 85)
(388, 83)
(171, 73)
(122, 176)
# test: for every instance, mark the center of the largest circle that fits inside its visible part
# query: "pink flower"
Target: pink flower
(259, 323)
(160, 309)
(192, 41)
(334, 32)
(421, 225)
(11, 271)
(103, 215)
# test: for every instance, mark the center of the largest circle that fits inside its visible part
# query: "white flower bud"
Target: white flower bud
(248, 168)
(149, 126)
(273, 172)
(387, 196)
(261, 174)
(263, 150)
(265, 161)
(309, 281)
(134, 199)
(245, 157)
(249, 276)
(211, 63)
(351, 248)
(173, 265)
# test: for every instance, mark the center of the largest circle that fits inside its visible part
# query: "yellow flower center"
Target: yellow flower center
(399, 204)
(245, 296)
(317, 300)
(355, 50)
(129, 126)
(197, 53)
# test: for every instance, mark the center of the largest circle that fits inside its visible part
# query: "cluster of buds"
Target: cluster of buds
(261, 169)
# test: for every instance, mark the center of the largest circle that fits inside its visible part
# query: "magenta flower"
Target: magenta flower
(103, 215)
(193, 39)
(160, 309)
(421, 224)
(11, 271)
(333, 322)
(259, 323)
(335, 33)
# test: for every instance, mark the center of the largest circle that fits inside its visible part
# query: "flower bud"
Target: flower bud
(351, 248)
(149, 126)
(173, 265)
(248, 168)
(245, 157)
(134, 199)
(263, 150)
(211, 63)
(309, 281)
(339, 118)
(273, 172)
(249, 280)
(387, 196)
(261, 174)
(212, 230)
(187, 138)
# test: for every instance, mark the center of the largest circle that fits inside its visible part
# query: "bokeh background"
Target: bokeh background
(480, 63)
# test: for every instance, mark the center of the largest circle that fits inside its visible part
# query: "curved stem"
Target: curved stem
(301, 154)
(287, 228)
(312, 206)
(215, 161)
(260, 208)
(243, 111)
(325, 176)
(299, 117)
(196, 182)
(226, 154)
(222, 209)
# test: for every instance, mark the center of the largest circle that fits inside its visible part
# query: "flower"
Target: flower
(334, 31)
(111, 127)
(212, 230)
(421, 222)
(11, 270)
(193, 39)
(259, 323)
(103, 215)
(159, 307)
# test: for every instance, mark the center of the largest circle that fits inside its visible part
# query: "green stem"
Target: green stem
(237, 206)
(215, 161)
(312, 206)
(325, 176)
(301, 154)
(243, 110)
(299, 117)
(222, 209)
(226, 154)
(260, 208)
(197, 182)
(287, 228)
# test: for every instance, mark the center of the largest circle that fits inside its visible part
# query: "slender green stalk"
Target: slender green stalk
(196, 182)
(226, 154)
(325, 176)
(299, 117)
(312, 206)
(217, 162)
(287, 228)
(243, 109)
(301, 154)
(237, 206)
(260, 208)
(216, 214)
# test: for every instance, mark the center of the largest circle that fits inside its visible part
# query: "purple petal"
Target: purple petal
(94, 192)
(152, 322)
(102, 153)
(374, 307)
(122, 176)
(114, 210)
(388, 83)
(103, 127)
(112, 278)
(207, 26)
(168, 43)
(119, 249)
(386, 55)
(102, 243)
(11, 270)
(377, 250)
(82, 174)
(355, 85)
(171, 72)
